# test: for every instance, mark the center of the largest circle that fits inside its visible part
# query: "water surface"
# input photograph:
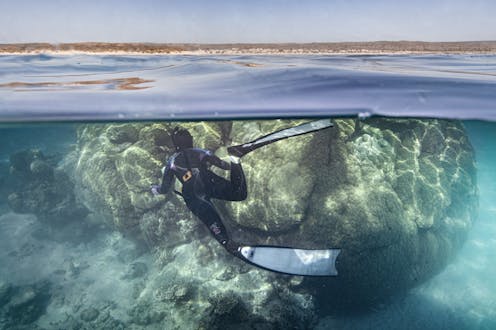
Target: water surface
(42, 87)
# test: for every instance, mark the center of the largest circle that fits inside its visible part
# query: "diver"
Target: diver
(191, 166)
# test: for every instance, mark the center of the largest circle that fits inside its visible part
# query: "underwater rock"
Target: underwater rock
(193, 297)
(26, 304)
(89, 314)
(37, 186)
(5, 289)
(228, 310)
(398, 196)
(41, 168)
(177, 293)
(228, 274)
(123, 133)
(135, 270)
(4, 183)
(90, 318)
(280, 177)
(181, 293)
(15, 202)
(21, 161)
(145, 314)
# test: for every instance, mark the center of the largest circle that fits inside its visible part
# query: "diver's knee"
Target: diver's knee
(241, 195)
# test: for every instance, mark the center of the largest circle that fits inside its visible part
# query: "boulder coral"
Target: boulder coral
(398, 196)
(36, 185)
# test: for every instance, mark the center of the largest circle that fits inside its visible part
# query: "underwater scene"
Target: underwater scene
(263, 192)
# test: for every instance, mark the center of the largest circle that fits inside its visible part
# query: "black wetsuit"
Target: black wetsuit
(191, 167)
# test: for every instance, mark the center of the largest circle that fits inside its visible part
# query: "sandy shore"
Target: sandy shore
(341, 48)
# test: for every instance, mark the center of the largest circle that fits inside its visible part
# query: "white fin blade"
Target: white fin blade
(293, 261)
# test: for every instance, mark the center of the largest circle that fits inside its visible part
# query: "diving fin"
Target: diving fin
(313, 126)
(292, 261)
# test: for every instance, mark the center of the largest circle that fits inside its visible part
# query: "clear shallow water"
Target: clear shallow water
(186, 87)
(92, 265)
(95, 266)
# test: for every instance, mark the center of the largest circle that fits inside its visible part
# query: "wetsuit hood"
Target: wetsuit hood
(182, 138)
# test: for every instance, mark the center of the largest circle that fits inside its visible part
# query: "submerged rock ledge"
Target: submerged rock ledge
(398, 196)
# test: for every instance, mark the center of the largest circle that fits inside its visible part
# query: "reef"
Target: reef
(397, 196)
(36, 185)
(20, 306)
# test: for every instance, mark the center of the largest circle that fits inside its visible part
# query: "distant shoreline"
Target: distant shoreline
(334, 48)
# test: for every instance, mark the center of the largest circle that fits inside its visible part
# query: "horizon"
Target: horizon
(369, 47)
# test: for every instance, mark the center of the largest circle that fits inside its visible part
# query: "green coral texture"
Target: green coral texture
(398, 196)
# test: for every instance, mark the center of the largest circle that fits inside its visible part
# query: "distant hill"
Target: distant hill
(376, 47)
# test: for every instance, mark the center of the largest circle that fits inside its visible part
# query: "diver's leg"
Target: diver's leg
(230, 190)
(239, 191)
(206, 212)
(197, 199)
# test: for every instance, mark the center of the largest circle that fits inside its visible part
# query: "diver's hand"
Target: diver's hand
(155, 189)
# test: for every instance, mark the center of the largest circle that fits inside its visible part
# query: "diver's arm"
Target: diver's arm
(167, 179)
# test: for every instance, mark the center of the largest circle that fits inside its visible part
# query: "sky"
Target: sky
(228, 21)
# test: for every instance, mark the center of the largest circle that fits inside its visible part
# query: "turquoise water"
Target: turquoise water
(62, 267)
